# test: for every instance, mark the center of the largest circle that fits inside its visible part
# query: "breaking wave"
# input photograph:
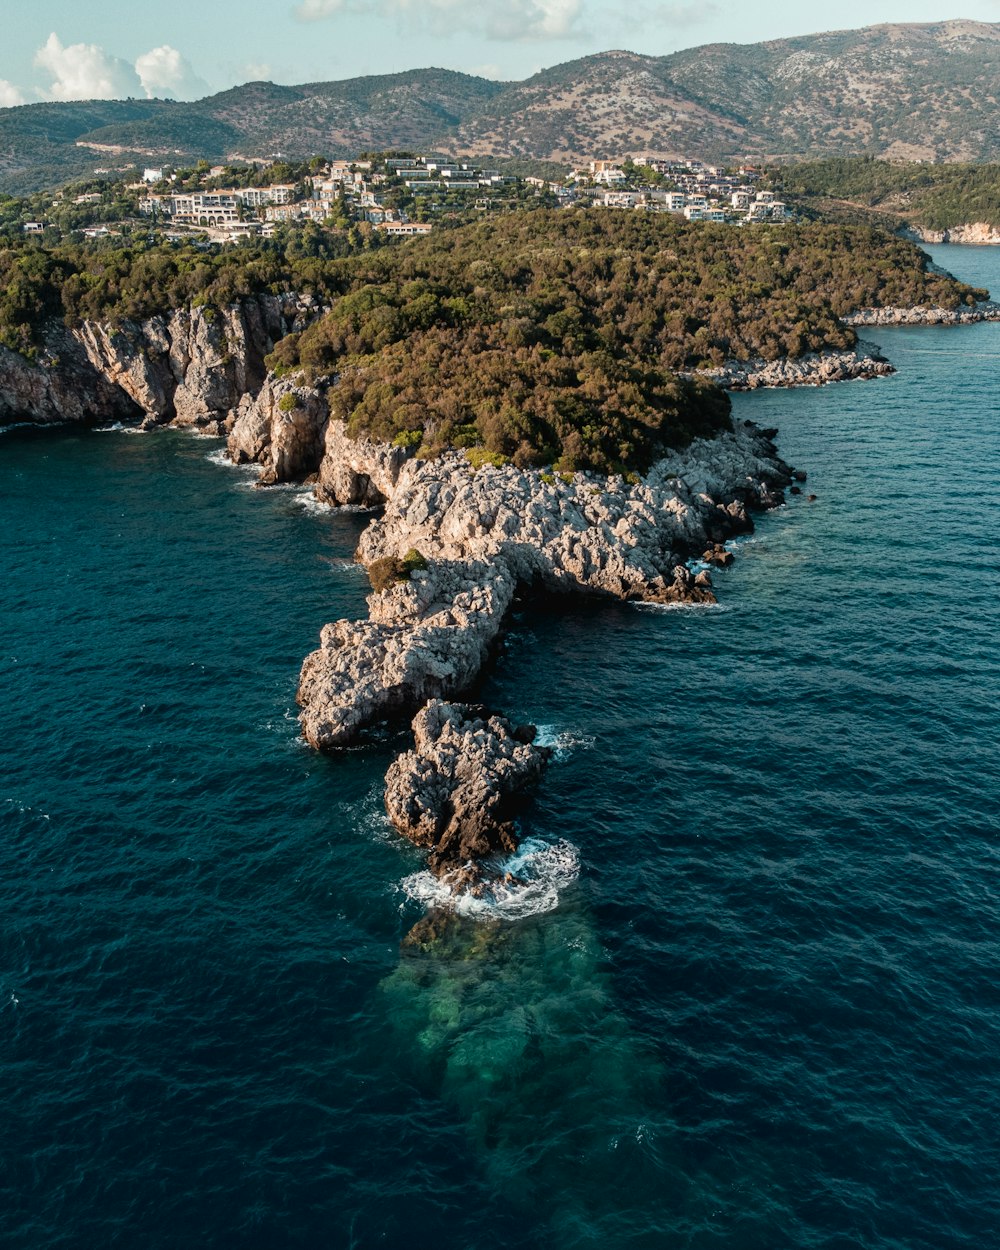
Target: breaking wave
(542, 871)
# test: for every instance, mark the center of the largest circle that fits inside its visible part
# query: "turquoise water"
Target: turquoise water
(765, 1012)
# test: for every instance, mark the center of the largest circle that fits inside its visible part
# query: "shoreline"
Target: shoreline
(987, 310)
(455, 545)
(453, 549)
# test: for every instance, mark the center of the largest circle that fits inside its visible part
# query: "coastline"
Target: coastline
(458, 544)
(813, 369)
(987, 310)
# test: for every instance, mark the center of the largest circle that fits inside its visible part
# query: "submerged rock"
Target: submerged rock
(456, 791)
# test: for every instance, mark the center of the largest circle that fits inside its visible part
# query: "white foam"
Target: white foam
(563, 742)
(545, 869)
(681, 607)
(28, 425)
(118, 427)
(221, 457)
(310, 503)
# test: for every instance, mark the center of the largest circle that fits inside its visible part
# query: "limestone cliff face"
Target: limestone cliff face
(61, 385)
(191, 368)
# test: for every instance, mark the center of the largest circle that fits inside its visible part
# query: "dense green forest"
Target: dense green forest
(558, 336)
(935, 196)
(545, 336)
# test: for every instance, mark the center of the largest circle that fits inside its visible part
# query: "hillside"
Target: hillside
(935, 197)
(915, 92)
(904, 92)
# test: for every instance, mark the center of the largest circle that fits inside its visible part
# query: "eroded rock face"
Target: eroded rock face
(280, 428)
(427, 637)
(970, 232)
(457, 790)
(191, 368)
(62, 385)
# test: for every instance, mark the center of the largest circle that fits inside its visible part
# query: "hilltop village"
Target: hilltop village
(392, 195)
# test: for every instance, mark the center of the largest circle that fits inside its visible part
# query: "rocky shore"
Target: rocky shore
(813, 369)
(988, 310)
(481, 535)
(975, 232)
(193, 368)
(454, 545)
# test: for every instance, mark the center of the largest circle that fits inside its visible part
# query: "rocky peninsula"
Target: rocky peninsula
(813, 369)
(456, 541)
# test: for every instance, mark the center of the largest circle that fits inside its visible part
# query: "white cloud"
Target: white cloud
(165, 73)
(10, 96)
(514, 19)
(83, 71)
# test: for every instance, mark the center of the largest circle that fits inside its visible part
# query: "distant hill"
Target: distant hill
(909, 92)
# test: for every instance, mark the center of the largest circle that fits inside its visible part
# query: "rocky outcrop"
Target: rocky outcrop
(280, 428)
(485, 533)
(427, 637)
(357, 471)
(813, 369)
(970, 232)
(191, 368)
(987, 310)
(456, 792)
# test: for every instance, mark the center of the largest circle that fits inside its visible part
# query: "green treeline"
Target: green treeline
(117, 281)
(558, 336)
(936, 196)
(545, 337)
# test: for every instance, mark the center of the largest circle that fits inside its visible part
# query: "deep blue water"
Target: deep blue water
(766, 1014)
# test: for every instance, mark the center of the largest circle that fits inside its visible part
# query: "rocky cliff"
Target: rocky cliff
(193, 367)
(479, 535)
(970, 232)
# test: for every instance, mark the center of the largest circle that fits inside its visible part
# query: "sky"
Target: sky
(184, 49)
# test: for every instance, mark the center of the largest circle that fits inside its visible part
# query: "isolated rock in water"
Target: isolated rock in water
(456, 791)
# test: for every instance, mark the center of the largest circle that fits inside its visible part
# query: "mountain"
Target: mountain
(914, 92)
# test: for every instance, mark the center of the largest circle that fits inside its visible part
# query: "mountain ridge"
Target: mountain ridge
(917, 91)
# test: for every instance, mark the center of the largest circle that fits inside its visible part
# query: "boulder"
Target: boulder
(457, 791)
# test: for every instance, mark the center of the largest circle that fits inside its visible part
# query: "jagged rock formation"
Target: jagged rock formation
(61, 385)
(988, 310)
(484, 534)
(427, 637)
(457, 790)
(191, 368)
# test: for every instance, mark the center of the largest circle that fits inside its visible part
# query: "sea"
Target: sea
(750, 997)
